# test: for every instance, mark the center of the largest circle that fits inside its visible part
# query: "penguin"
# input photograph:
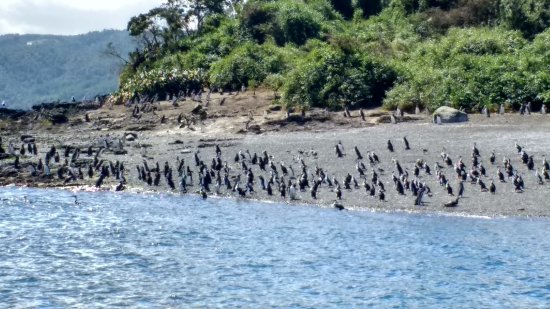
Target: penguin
(390, 146)
(358, 153)
(202, 193)
(492, 159)
(475, 151)
(460, 189)
(381, 195)
(372, 191)
(338, 193)
(242, 192)
(546, 174)
(452, 203)
(449, 189)
(292, 192)
(406, 142)
(156, 181)
(47, 170)
(420, 195)
(530, 163)
(339, 153)
(518, 147)
(341, 147)
(539, 178)
(482, 185)
(399, 188)
(338, 206)
(269, 189)
(99, 181)
(500, 175)
(375, 157)
(282, 189)
(170, 182)
(313, 192)
(119, 187)
(492, 187)
(284, 170)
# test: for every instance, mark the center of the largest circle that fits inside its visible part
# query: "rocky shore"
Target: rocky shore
(244, 126)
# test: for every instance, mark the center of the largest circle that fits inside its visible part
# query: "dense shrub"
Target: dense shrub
(472, 68)
(329, 77)
(326, 53)
(283, 21)
(248, 62)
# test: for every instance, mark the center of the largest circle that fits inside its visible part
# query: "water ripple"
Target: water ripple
(170, 251)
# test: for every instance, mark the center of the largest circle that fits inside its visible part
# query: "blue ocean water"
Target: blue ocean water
(174, 251)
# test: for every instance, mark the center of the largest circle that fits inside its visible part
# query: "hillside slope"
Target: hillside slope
(42, 68)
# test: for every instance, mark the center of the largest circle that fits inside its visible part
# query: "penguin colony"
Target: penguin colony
(246, 173)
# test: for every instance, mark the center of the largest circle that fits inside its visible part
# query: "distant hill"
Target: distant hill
(45, 68)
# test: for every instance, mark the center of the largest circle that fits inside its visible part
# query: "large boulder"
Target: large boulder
(450, 115)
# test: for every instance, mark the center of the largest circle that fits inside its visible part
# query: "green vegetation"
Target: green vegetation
(47, 68)
(332, 53)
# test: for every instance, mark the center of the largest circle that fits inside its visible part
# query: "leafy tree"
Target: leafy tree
(529, 16)
(248, 62)
(329, 77)
(275, 82)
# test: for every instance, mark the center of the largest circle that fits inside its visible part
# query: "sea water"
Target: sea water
(132, 250)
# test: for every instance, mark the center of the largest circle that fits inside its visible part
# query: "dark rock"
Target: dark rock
(27, 138)
(254, 129)
(120, 151)
(4, 156)
(58, 118)
(130, 137)
(197, 109)
(11, 113)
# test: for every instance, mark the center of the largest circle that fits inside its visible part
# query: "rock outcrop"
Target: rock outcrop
(450, 115)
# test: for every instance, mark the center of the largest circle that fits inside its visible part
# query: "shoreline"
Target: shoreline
(417, 211)
(313, 142)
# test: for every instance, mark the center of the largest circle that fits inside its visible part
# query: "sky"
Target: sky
(69, 17)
